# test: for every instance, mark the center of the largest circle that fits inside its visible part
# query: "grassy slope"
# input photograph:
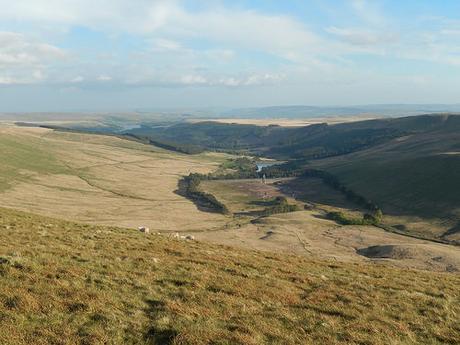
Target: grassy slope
(114, 181)
(65, 283)
(414, 175)
(425, 186)
(20, 155)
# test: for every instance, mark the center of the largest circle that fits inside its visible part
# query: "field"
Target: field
(408, 166)
(298, 122)
(106, 180)
(247, 278)
(309, 233)
(100, 179)
(67, 283)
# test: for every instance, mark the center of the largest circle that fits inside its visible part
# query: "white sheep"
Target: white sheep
(144, 229)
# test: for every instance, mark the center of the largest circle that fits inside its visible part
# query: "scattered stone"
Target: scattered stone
(155, 260)
(190, 237)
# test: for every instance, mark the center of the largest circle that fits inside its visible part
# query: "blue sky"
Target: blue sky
(128, 54)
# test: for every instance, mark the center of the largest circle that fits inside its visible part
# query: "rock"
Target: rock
(190, 237)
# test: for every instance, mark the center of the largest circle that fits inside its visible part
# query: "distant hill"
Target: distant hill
(304, 111)
(408, 165)
(309, 142)
(418, 173)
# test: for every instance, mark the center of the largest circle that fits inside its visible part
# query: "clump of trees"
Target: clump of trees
(367, 219)
(293, 168)
(204, 199)
(243, 167)
(279, 205)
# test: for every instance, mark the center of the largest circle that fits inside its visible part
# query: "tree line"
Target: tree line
(204, 199)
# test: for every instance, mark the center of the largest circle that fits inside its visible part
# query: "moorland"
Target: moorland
(326, 233)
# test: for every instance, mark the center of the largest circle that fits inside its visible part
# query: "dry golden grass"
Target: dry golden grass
(66, 283)
(100, 179)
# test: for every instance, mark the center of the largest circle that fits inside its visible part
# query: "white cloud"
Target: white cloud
(17, 49)
(363, 37)
(243, 28)
(104, 78)
(193, 80)
(452, 32)
(162, 44)
(77, 79)
(24, 60)
(369, 11)
(231, 41)
(220, 54)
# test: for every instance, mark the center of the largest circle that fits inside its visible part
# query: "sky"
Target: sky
(70, 55)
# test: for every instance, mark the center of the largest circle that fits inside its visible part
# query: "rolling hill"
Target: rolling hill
(406, 165)
(417, 174)
(69, 283)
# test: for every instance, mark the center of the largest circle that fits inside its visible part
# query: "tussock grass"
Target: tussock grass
(66, 283)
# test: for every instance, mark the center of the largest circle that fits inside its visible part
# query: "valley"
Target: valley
(224, 172)
(273, 268)
(106, 180)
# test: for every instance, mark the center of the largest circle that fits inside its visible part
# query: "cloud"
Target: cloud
(162, 44)
(452, 32)
(17, 49)
(242, 28)
(23, 60)
(78, 79)
(171, 45)
(193, 80)
(104, 78)
(233, 81)
(363, 37)
(369, 11)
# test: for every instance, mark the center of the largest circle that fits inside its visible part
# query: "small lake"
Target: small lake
(261, 165)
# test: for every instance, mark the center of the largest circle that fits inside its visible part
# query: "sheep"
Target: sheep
(144, 229)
